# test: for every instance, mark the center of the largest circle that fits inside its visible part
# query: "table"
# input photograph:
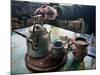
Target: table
(19, 49)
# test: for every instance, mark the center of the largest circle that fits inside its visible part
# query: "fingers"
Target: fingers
(41, 9)
(36, 10)
(47, 12)
(43, 6)
(74, 42)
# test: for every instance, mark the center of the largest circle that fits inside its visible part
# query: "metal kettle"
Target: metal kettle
(38, 44)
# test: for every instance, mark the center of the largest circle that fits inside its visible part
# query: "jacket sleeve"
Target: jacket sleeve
(73, 12)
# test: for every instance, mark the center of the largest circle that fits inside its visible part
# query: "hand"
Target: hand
(47, 12)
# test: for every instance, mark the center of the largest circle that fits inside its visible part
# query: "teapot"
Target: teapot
(38, 44)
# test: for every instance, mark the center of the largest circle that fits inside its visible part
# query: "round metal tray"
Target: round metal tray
(45, 63)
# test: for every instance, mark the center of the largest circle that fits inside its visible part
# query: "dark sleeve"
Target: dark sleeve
(73, 12)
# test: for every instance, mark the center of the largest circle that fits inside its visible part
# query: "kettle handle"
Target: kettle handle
(30, 40)
(33, 46)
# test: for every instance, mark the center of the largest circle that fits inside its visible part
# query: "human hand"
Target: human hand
(47, 12)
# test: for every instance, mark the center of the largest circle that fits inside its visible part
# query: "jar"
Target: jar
(58, 50)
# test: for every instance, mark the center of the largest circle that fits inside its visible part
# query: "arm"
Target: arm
(74, 12)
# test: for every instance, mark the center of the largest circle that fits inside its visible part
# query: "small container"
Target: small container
(58, 50)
